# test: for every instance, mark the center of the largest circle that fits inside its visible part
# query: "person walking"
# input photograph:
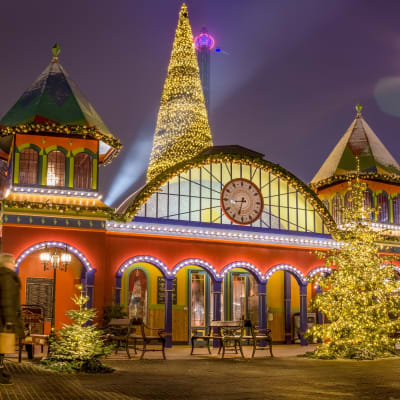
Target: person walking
(10, 306)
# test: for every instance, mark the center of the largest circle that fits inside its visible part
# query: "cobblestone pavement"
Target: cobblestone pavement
(182, 377)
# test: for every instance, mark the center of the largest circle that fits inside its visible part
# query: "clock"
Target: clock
(242, 201)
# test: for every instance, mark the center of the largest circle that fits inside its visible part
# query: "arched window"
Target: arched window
(368, 202)
(348, 200)
(383, 207)
(396, 210)
(83, 171)
(337, 209)
(28, 167)
(56, 168)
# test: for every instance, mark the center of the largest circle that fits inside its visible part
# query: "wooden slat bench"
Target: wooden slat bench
(132, 334)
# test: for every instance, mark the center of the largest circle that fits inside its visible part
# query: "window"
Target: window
(56, 168)
(368, 202)
(83, 171)
(337, 209)
(396, 210)
(383, 207)
(348, 201)
(28, 167)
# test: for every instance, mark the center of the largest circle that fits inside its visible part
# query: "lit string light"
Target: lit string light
(182, 129)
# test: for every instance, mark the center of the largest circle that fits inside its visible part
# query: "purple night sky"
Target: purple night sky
(285, 83)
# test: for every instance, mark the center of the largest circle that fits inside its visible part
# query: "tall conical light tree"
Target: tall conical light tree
(360, 298)
(182, 129)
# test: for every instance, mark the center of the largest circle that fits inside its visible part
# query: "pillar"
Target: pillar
(262, 306)
(90, 288)
(169, 287)
(287, 295)
(216, 312)
(303, 314)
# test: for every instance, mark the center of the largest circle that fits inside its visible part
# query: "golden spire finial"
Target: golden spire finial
(56, 49)
(358, 109)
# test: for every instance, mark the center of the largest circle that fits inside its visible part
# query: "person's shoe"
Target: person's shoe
(5, 380)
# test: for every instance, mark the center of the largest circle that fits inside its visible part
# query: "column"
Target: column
(169, 287)
(262, 307)
(117, 293)
(216, 312)
(303, 314)
(287, 294)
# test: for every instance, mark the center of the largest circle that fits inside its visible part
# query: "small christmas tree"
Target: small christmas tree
(361, 297)
(77, 347)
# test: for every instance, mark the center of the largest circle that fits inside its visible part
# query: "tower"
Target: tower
(182, 129)
(204, 43)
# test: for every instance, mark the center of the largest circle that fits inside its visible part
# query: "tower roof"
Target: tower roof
(55, 105)
(358, 141)
(182, 129)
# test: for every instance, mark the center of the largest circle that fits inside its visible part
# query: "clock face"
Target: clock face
(242, 201)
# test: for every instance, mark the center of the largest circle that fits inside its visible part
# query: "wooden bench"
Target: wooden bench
(33, 319)
(259, 340)
(132, 334)
(228, 333)
(211, 332)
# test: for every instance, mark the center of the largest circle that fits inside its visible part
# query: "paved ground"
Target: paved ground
(208, 377)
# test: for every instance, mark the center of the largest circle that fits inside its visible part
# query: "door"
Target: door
(199, 300)
(244, 297)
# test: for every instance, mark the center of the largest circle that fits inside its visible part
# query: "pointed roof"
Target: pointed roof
(182, 129)
(54, 104)
(358, 141)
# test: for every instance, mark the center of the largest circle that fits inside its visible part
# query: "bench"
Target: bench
(33, 319)
(228, 333)
(132, 334)
(258, 338)
(232, 335)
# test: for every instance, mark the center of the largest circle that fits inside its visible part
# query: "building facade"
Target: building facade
(217, 232)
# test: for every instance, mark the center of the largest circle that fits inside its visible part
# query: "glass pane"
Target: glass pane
(197, 310)
(138, 295)
(56, 168)
(83, 171)
(28, 167)
(238, 297)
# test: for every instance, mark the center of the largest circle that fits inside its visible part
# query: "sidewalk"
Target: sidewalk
(207, 377)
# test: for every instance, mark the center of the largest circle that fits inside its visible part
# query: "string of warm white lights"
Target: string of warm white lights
(55, 192)
(182, 129)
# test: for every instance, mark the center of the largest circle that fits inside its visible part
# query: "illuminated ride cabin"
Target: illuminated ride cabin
(217, 232)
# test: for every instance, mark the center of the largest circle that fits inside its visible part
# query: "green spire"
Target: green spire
(56, 51)
(182, 129)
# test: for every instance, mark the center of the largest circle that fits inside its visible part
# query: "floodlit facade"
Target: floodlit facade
(217, 232)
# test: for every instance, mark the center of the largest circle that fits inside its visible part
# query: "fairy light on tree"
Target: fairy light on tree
(182, 129)
(361, 297)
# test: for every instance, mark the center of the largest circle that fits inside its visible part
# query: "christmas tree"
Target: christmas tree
(78, 346)
(360, 298)
(182, 129)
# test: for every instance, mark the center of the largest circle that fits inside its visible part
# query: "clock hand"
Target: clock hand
(241, 204)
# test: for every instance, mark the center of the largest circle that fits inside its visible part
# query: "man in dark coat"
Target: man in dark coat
(10, 305)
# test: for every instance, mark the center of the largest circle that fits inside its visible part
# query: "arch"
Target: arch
(147, 259)
(319, 270)
(226, 154)
(61, 245)
(244, 265)
(300, 278)
(83, 150)
(54, 147)
(199, 263)
(25, 146)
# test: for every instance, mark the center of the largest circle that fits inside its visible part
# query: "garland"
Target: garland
(81, 130)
